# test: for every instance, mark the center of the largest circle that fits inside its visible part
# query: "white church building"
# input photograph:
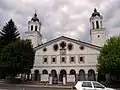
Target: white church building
(64, 58)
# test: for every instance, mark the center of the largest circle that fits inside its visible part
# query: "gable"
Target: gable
(76, 47)
(67, 39)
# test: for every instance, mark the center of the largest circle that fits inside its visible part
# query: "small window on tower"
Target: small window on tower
(93, 24)
(97, 24)
(35, 28)
(101, 23)
(31, 27)
(98, 36)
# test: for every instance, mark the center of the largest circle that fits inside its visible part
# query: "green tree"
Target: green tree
(9, 33)
(17, 57)
(109, 58)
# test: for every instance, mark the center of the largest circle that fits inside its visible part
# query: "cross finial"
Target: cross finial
(35, 10)
(35, 15)
(95, 10)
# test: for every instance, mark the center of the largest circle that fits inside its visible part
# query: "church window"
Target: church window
(81, 59)
(55, 47)
(72, 59)
(35, 28)
(63, 59)
(97, 24)
(44, 72)
(53, 59)
(81, 47)
(62, 44)
(98, 36)
(44, 49)
(101, 23)
(70, 46)
(93, 25)
(31, 27)
(45, 60)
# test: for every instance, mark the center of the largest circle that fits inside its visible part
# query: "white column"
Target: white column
(50, 79)
(64, 80)
(77, 76)
(26, 76)
(96, 77)
(86, 77)
(30, 76)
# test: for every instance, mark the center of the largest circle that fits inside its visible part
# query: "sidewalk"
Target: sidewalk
(2, 82)
(47, 86)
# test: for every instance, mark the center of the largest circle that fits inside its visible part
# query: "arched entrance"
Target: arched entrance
(81, 76)
(72, 72)
(36, 75)
(91, 75)
(44, 71)
(54, 77)
(62, 74)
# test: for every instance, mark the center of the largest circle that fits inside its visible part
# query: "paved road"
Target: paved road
(13, 87)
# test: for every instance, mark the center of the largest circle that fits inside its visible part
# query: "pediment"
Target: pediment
(61, 39)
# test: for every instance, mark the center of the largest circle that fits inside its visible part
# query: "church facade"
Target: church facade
(64, 58)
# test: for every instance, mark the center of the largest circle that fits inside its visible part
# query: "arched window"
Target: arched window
(97, 24)
(35, 28)
(72, 72)
(44, 72)
(93, 25)
(91, 75)
(31, 27)
(101, 23)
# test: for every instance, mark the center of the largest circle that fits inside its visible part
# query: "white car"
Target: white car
(90, 85)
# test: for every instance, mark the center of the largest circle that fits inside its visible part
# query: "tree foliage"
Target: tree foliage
(9, 33)
(17, 57)
(109, 58)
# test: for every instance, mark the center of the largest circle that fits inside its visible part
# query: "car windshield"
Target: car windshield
(87, 84)
(98, 85)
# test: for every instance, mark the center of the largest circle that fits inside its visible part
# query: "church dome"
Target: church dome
(35, 18)
(95, 13)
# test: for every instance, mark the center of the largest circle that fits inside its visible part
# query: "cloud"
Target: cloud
(61, 17)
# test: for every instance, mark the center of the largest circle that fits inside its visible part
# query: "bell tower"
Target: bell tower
(97, 32)
(33, 33)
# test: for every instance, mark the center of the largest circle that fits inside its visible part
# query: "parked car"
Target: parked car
(90, 85)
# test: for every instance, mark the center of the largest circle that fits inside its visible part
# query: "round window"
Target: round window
(81, 47)
(62, 44)
(70, 46)
(44, 49)
(55, 47)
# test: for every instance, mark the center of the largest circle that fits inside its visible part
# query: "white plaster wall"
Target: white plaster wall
(99, 41)
(34, 36)
(90, 57)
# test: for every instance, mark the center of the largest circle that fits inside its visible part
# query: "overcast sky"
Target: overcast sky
(61, 17)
